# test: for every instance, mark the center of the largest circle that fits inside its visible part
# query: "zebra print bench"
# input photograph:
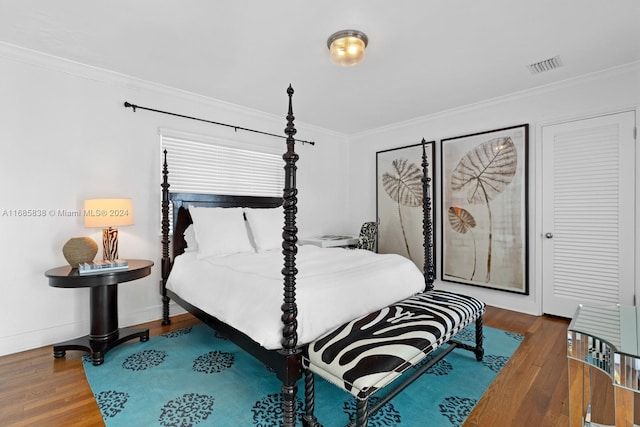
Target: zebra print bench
(368, 353)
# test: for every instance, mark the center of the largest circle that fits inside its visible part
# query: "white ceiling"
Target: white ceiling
(424, 56)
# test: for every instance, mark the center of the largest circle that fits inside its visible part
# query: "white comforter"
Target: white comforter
(333, 286)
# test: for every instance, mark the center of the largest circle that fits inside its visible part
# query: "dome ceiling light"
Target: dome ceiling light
(347, 47)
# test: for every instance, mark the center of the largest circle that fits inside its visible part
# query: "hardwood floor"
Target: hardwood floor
(530, 391)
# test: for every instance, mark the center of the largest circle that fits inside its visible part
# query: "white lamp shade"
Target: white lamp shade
(108, 212)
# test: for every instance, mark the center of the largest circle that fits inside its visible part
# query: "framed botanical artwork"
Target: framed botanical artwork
(484, 209)
(399, 197)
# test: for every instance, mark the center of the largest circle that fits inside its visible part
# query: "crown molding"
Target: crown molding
(78, 69)
(57, 64)
(538, 90)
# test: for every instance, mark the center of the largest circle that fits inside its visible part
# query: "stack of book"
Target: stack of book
(96, 267)
(330, 240)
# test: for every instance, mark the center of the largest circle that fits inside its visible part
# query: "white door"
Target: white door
(588, 199)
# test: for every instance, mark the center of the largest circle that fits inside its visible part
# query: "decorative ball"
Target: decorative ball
(79, 249)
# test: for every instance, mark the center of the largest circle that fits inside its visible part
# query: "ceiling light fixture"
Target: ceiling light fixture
(347, 47)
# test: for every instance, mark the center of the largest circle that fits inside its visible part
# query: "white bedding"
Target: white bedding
(333, 286)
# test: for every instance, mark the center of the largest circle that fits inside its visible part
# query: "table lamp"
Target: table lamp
(108, 214)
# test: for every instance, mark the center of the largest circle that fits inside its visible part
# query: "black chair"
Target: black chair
(368, 237)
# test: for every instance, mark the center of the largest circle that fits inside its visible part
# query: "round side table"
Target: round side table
(104, 332)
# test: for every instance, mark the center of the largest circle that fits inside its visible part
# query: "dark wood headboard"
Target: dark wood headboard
(182, 217)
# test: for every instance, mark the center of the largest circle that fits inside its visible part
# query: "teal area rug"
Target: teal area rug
(194, 377)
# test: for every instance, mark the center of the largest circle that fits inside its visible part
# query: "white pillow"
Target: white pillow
(190, 239)
(220, 231)
(266, 227)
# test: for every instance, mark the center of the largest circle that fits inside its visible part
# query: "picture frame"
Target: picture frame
(399, 209)
(484, 214)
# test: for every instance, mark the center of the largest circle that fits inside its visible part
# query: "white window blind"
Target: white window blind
(213, 166)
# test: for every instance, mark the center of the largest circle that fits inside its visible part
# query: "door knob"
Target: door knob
(549, 235)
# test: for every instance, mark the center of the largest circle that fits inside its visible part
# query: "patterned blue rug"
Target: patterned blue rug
(193, 377)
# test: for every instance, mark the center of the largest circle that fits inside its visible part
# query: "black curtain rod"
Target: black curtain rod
(134, 107)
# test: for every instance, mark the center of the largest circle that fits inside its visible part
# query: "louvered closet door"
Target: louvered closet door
(588, 194)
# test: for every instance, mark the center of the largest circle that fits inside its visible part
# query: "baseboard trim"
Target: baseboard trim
(49, 336)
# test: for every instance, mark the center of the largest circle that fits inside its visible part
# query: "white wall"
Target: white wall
(608, 91)
(66, 136)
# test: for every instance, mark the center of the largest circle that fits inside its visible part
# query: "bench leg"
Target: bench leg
(309, 419)
(362, 413)
(479, 350)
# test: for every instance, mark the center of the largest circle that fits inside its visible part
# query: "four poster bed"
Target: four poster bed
(225, 266)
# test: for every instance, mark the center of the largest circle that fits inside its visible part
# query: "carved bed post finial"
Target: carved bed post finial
(290, 236)
(427, 225)
(289, 250)
(166, 260)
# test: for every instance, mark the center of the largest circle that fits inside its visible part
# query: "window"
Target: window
(200, 164)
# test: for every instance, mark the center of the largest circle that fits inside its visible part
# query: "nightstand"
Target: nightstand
(104, 332)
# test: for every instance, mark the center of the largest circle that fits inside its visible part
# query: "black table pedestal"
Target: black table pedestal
(97, 349)
(104, 333)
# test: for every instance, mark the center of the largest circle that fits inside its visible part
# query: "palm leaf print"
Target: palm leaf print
(462, 222)
(484, 172)
(460, 219)
(404, 185)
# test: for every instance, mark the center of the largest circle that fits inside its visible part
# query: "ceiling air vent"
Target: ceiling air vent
(546, 65)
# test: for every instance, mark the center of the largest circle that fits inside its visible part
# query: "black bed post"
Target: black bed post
(289, 250)
(427, 225)
(166, 261)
